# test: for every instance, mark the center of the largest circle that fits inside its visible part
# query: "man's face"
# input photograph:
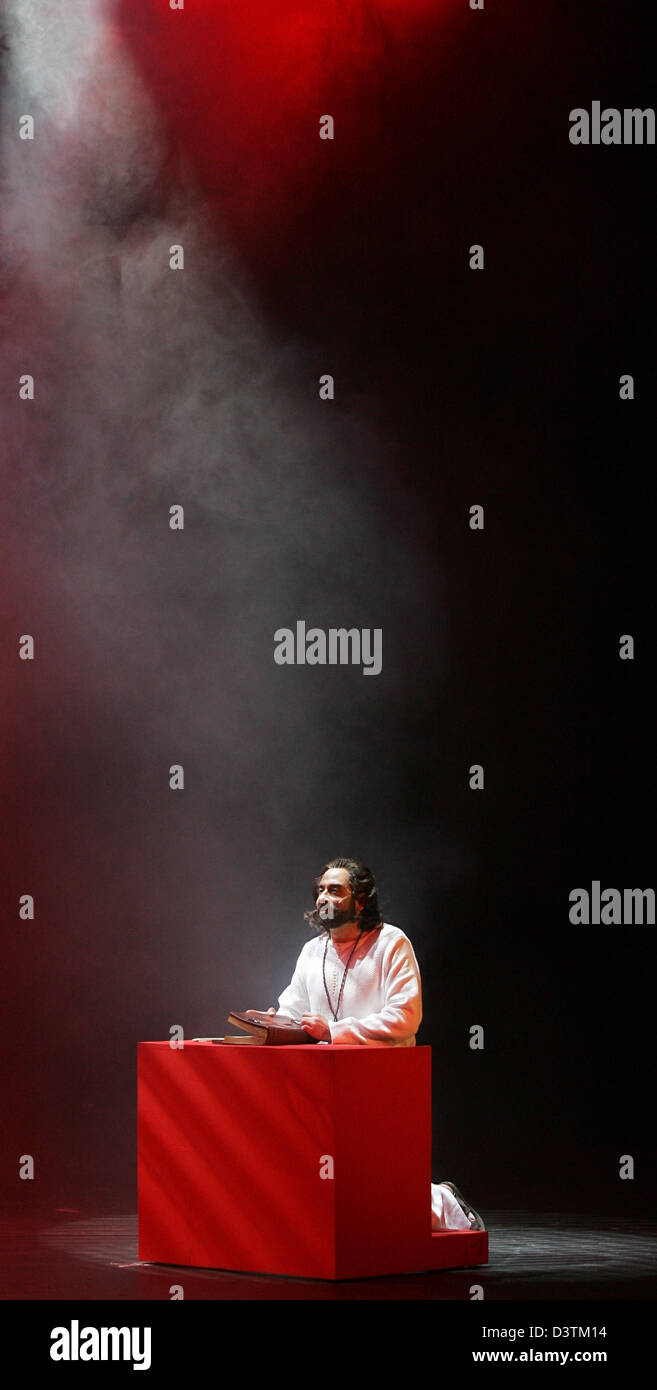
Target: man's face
(335, 903)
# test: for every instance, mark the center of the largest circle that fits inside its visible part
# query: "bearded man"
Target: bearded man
(358, 981)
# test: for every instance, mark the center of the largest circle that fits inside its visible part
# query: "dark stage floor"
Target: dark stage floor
(533, 1255)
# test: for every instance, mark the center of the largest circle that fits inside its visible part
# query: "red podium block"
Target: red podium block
(310, 1161)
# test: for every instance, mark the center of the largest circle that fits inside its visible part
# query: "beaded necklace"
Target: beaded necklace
(336, 1011)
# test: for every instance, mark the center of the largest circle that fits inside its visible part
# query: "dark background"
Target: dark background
(500, 648)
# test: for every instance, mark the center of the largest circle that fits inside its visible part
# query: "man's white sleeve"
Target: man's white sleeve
(294, 999)
(401, 1014)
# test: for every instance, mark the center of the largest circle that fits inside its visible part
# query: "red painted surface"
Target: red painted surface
(232, 1142)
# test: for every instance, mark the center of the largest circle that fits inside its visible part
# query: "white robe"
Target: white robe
(382, 999)
(381, 1007)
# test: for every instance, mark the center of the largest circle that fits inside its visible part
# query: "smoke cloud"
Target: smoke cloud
(154, 647)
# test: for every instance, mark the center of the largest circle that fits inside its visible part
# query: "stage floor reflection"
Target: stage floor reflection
(70, 1255)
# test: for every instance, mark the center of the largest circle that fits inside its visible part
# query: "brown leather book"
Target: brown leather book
(273, 1030)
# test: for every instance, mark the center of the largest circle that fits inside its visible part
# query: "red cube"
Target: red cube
(311, 1161)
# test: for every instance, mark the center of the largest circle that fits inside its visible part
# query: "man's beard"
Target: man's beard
(335, 916)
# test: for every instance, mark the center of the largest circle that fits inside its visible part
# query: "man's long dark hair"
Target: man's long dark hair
(362, 884)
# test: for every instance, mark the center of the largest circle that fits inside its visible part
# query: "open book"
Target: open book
(275, 1030)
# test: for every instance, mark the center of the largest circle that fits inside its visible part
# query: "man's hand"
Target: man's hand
(317, 1026)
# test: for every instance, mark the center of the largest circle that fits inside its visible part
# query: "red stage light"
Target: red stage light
(242, 87)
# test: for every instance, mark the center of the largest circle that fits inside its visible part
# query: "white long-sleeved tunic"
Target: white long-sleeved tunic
(382, 999)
